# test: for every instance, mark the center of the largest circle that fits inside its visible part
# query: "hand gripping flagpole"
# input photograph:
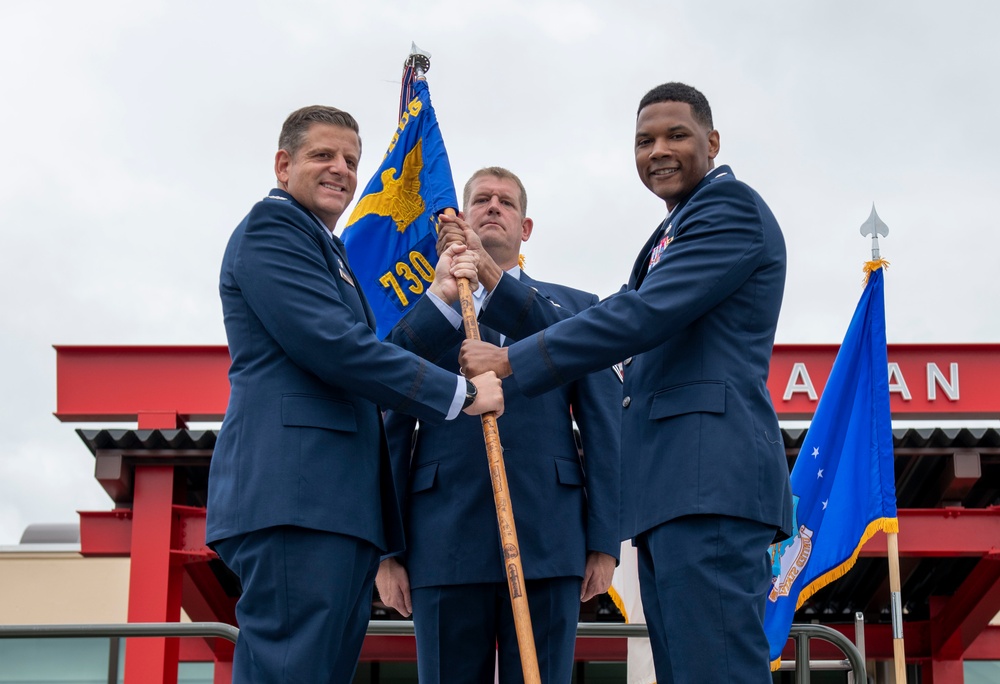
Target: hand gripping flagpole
(509, 548)
(874, 227)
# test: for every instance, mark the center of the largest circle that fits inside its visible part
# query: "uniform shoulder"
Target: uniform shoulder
(562, 295)
(723, 189)
(277, 206)
(723, 180)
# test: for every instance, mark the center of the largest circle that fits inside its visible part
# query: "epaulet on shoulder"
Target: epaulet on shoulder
(725, 181)
(272, 202)
(274, 206)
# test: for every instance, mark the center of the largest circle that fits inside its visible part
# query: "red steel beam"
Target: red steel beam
(106, 533)
(389, 649)
(117, 383)
(967, 612)
(204, 599)
(942, 533)
(163, 386)
(404, 649)
(154, 593)
(188, 539)
(917, 640)
(878, 642)
(986, 646)
(109, 533)
(942, 672)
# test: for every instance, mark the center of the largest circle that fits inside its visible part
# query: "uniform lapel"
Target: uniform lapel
(641, 266)
(341, 253)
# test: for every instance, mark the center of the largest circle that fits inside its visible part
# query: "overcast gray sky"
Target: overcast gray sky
(137, 134)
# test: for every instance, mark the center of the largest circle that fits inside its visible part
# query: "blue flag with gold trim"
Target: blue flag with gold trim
(391, 234)
(843, 484)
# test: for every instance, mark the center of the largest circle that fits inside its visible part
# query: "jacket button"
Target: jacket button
(628, 361)
(626, 401)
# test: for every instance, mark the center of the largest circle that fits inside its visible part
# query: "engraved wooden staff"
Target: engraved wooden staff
(505, 514)
(420, 62)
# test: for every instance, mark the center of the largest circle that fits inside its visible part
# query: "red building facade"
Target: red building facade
(947, 480)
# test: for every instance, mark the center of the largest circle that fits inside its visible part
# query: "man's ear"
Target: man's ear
(526, 225)
(282, 160)
(713, 144)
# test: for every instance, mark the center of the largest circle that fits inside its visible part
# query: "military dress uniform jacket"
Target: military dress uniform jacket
(697, 322)
(563, 506)
(302, 442)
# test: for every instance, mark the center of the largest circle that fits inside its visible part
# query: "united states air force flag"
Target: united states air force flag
(391, 234)
(843, 488)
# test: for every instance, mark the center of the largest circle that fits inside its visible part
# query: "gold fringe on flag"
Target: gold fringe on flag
(871, 266)
(520, 261)
(618, 601)
(878, 525)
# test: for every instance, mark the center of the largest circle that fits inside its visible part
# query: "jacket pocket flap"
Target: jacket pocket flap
(696, 397)
(423, 477)
(569, 472)
(301, 410)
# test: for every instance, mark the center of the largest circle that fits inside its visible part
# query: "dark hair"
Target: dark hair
(679, 92)
(293, 131)
(501, 173)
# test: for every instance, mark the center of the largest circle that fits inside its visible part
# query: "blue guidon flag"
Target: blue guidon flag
(843, 485)
(391, 234)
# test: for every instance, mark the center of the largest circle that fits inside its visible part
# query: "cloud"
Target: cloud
(138, 134)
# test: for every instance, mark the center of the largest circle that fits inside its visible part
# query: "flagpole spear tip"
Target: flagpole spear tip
(419, 60)
(874, 226)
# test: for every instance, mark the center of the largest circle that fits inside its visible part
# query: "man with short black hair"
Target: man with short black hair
(705, 480)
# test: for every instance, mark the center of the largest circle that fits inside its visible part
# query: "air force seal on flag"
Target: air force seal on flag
(789, 557)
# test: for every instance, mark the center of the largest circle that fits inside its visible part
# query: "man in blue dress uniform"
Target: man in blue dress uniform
(705, 480)
(566, 508)
(301, 503)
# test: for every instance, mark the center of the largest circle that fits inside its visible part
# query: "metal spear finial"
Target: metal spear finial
(874, 227)
(419, 60)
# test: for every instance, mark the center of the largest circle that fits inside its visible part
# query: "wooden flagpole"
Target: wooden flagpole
(510, 550)
(898, 653)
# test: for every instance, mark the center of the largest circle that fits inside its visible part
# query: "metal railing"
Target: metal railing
(131, 629)
(802, 634)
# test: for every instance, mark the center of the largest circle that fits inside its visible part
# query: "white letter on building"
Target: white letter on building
(799, 381)
(935, 377)
(897, 383)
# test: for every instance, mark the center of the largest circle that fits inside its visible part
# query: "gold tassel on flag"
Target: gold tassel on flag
(874, 265)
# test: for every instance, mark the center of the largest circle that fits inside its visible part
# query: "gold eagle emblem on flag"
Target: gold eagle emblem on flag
(400, 197)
